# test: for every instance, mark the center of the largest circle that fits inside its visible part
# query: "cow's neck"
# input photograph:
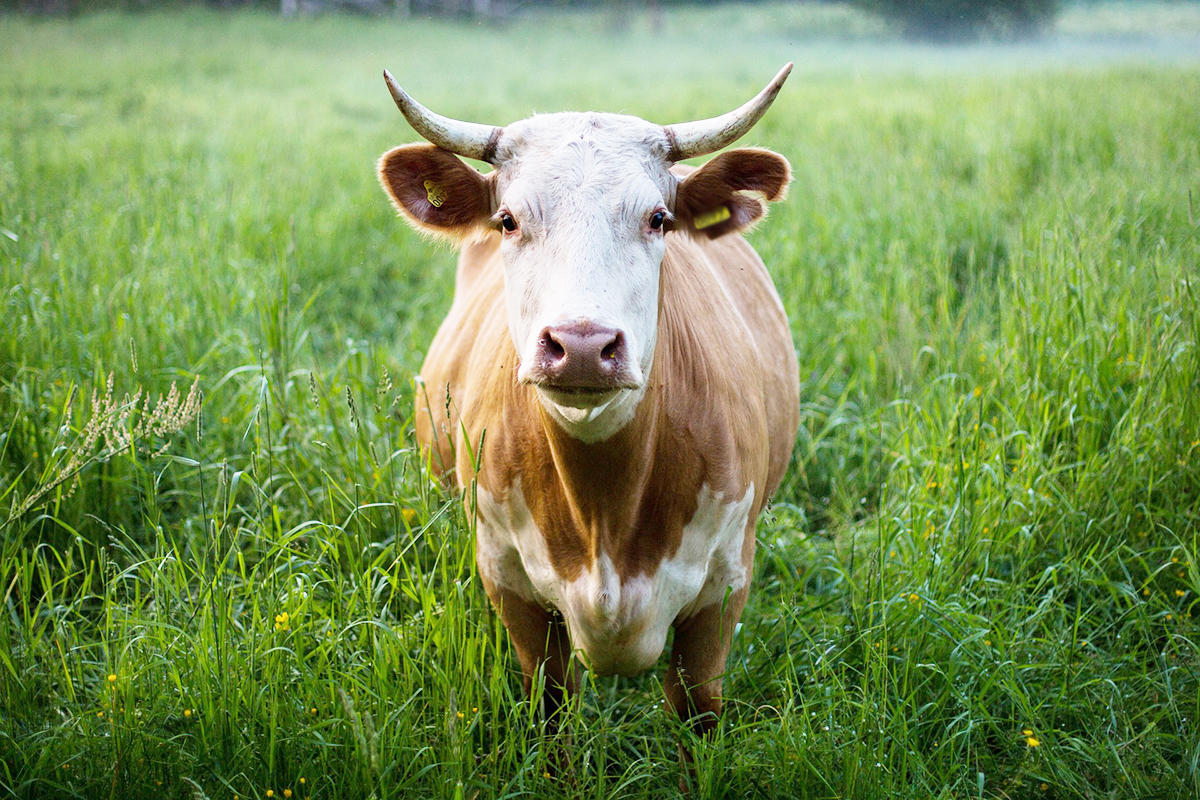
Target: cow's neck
(603, 483)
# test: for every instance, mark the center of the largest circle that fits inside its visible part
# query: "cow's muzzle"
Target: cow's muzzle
(581, 358)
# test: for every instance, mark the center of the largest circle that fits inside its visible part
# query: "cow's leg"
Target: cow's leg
(700, 648)
(693, 682)
(542, 642)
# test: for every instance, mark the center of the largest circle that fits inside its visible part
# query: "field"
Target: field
(979, 578)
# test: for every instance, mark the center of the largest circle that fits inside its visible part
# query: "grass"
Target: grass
(978, 579)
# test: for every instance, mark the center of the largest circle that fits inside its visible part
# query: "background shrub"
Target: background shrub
(965, 19)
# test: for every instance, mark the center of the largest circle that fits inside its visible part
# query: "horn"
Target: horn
(689, 139)
(468, 139)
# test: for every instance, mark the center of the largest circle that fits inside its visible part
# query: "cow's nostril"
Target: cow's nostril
(612, 349)
(552, 347)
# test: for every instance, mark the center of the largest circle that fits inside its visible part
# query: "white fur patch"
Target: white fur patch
(618, 627)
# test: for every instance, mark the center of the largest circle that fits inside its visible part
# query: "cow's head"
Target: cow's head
(582, 203)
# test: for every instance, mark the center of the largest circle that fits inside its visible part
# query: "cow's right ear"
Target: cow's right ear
(436, 191)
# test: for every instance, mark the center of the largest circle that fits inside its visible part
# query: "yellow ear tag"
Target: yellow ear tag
(435, 194)
(710, 218)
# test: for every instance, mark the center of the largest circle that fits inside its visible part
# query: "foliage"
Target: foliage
(959, 19)
(979, 578)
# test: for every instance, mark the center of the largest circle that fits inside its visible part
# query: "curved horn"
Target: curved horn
(689, 139)
(468, 139)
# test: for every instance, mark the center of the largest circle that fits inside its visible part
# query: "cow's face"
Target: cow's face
(582, 205)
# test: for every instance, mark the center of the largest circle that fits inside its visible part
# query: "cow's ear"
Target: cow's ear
(436, 191)
(727, 194)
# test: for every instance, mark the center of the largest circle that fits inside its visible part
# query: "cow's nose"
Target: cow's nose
(582, 355)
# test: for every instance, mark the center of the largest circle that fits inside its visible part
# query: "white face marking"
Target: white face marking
(618, 627)
(582, 188)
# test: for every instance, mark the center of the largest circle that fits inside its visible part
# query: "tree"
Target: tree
(945, 20)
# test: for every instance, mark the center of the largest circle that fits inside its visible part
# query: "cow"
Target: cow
(615, 387)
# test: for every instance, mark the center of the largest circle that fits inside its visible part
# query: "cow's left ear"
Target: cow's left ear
(726, 194)
(435, 190)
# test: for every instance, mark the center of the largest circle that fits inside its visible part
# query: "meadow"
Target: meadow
(979, 578)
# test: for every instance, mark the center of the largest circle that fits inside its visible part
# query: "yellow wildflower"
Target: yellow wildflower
(287, 792)
(409, 515)
(1032, 741)
(112, 678)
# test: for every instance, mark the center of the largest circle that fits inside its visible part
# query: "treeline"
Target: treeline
(964, 19)
(919, 19)
(447, 8)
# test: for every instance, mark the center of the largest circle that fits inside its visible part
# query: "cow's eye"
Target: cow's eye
(507, 221)
(657, 219)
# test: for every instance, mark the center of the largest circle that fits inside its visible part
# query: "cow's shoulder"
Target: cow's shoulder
(728, 364)
(461, 362)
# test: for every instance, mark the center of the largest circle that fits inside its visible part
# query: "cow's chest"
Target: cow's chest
(618, 624)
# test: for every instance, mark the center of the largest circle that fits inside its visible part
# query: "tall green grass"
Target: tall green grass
(979, 576)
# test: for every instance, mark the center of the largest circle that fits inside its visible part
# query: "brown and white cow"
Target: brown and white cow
(616, 375)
